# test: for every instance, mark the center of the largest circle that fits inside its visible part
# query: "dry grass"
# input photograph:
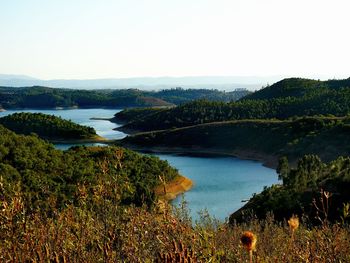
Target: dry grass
(100, 231)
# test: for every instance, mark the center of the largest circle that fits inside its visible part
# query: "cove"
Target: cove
(220, 183)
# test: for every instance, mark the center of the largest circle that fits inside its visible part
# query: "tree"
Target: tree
(283, 169)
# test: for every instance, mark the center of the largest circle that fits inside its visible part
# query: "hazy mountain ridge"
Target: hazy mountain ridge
(218, 82)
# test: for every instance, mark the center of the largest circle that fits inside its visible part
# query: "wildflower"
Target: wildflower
(248, 240)
(293, 223)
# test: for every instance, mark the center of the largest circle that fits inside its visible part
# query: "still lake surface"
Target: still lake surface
(220, 183)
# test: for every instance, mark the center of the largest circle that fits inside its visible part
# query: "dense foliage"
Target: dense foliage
(319, 190)
(285, 99)
(44, 97)
(43, 172)
(46, 126)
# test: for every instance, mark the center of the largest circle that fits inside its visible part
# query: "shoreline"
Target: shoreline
(179, 185)
(65, 108)
(127, 131)
(97, 139)
(101, 119)
(269, 161)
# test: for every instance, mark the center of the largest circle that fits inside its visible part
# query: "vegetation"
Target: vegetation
(100, 203)
(96, 204)
(44, 173)
(266, 140)
(96, 228)
(44, 97)
(314, 189)
(179, 96)
(47, 126)
(128, 115)
(298, 88)
(285, 99)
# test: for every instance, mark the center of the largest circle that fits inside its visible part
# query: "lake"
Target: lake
(220, 183)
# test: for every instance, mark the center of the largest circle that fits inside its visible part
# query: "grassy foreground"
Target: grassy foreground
(101, 231)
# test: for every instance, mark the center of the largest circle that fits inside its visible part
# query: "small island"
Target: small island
(50, 127)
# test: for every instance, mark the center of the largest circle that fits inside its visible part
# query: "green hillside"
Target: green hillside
(179, 96)
(47, 126)
(285, 99)
(298, 87)
(42, 172)
(257, 139)
(128, 115)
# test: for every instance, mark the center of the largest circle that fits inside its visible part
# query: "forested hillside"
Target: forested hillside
(314, 189)
(44, 97)
(265, 140)
(285, 99)
(46, 126)
(43, 172)
(128, 115)
(179, 96)
(298, 87)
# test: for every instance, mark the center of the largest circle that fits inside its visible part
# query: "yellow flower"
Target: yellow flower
(248, 240)
(293, 223)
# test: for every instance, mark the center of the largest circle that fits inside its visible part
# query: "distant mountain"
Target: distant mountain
(227, 83)
(10, 76)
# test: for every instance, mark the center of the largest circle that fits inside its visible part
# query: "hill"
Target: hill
(44, 172)
(264, 140)
(298, 87)
(285, 99)
(49, 127)
(179, 96)
(45, 97)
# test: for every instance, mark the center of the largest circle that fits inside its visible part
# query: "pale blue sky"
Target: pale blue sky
(131, 38)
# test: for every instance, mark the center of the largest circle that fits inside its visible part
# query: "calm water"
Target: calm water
(220, 183)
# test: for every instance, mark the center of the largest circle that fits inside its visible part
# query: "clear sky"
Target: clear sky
(133, 38)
